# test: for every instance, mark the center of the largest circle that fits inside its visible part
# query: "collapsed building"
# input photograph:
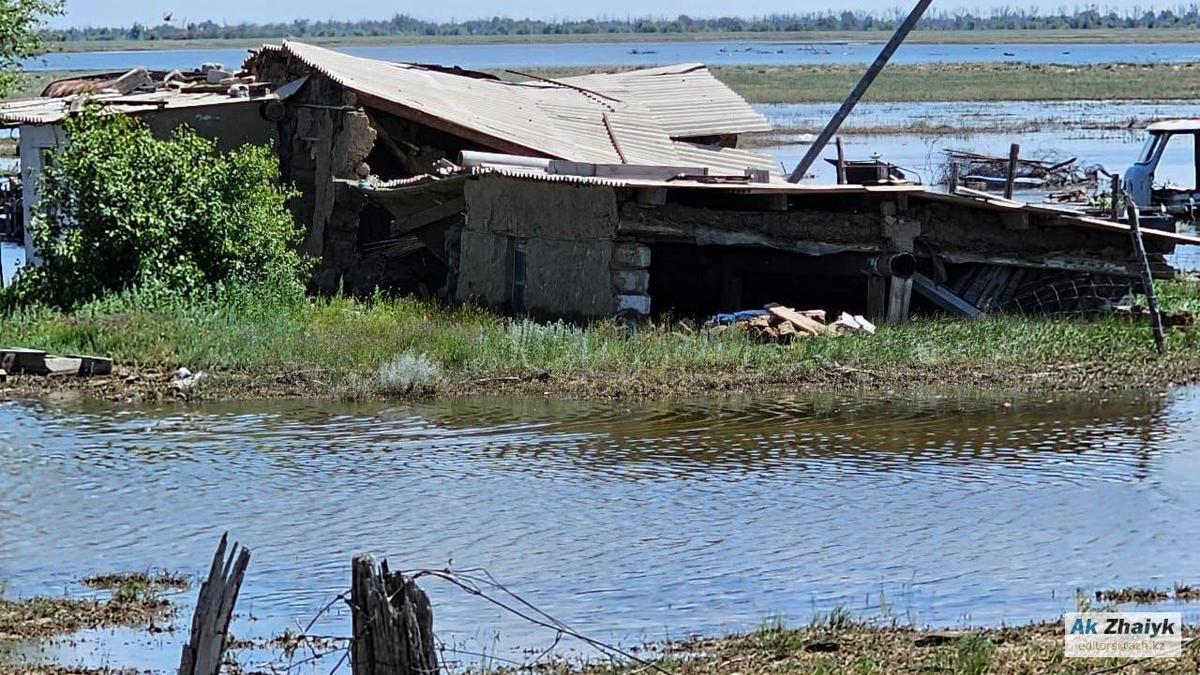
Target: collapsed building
(623, 193)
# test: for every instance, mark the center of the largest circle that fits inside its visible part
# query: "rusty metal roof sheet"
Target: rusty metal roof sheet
(549, 119)
(53, 110)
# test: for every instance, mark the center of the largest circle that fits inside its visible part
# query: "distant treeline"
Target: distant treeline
(999, 19)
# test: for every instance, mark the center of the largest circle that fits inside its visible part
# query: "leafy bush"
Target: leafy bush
(121, 209)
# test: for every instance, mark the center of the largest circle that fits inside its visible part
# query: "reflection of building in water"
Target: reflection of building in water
(752, 433)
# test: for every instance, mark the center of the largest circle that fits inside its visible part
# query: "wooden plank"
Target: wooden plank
(877, 298)
(899, 298)
(971, 293)
(960, 284)
(841, 162)
(93, 365)
(14, 360)
(803, 323)
(62, 365)
(994, 286)
(1010, 289)
(943, 297)
(415, 221)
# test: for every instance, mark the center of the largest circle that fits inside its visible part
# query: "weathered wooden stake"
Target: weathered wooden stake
(899, 299)
(952, 183)
(392, 622)
(1135, 231)
(1010, 179)
(1116, 198)
(214, 608)
(877, 294)
(841, 162)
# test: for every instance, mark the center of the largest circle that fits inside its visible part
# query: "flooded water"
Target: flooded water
(1109, 133)
(1105, 133)
(630, 521)
(656, 53)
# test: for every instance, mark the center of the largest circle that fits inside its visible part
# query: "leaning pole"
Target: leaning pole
(864, 84)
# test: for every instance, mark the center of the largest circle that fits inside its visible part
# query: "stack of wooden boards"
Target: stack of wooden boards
(783, 325)
(16, 361)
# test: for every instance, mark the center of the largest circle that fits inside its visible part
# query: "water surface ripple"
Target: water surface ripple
(628, 520)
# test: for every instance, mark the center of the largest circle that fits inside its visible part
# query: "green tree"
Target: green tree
(121, 209)
(21, 23)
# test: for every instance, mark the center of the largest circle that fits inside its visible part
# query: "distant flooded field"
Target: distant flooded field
(726, 52)
(630, 521)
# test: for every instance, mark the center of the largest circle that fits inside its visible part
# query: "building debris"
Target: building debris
(991, 171)
(616, 194)
(778, 324)
(22, 361)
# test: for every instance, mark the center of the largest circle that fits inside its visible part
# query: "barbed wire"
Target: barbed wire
(476, 582)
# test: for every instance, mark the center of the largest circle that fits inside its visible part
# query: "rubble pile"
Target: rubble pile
(783, 325)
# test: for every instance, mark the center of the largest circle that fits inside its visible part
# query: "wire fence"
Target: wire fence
(307, 652)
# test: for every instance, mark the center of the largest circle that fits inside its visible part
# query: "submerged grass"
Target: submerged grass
(274, 344)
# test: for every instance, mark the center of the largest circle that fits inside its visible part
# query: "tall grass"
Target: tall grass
(261, 330)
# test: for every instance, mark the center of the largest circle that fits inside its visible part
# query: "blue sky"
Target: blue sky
(125, 12)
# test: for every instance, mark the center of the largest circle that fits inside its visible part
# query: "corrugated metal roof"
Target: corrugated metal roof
(52, 110)
(687, 100)
(551, 120)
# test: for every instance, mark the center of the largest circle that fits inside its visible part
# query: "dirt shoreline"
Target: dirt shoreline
(131, 386)
(858, 649)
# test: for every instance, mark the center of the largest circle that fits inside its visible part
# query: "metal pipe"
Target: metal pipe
(863, 85)
(472, 158)
(899, 265)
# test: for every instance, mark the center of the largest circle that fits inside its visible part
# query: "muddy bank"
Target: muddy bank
(135, 386)
(867, 650)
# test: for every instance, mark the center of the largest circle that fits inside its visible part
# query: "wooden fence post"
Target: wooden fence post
(214, 608)
(392, 622)
(1116, 198)
(1010, 179)
(841, 162)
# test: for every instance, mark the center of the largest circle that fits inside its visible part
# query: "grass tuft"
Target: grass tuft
(409, 375)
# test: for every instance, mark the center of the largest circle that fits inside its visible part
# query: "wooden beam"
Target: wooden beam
(877, 299)
(408, 223)
(899, 299)
(382, 135)
(943, 297)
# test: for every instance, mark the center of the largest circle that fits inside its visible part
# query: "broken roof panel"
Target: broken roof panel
(53, 110)
(687, 100)
(551, 119)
